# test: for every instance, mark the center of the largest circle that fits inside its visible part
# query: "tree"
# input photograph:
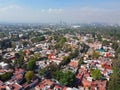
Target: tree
(21, 53)
(49, 71)
(38, 39)
(114, 83)
(42, 72)
(25, 43)
(74, 54)
(85, 48)
(5, 76)
(65, 61)
(117, 52)
(6, 44)
(90, 40)
(60, 42)
(52, 68)
(18, 60)
(80, 61)
(99, 37)
(29, 75)
(115, 45)
(95, 55)
(65, 78)
(31, 64)
(105, 42)
(17, 55)
(96, 74)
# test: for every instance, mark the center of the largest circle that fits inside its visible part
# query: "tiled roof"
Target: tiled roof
(45, 82)
(73, 64)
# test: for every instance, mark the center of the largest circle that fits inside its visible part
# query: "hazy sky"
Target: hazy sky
(82, 11)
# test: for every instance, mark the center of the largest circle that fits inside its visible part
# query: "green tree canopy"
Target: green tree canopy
(5, 76)
(114, 83)
(96, 74)
(31, 63)
(115, 45)
(29, 75)
(105, 42)
(95, 55)
(80, 61)
(18, 60)
(65, 61)
(117, 52)
(65, 78)
(99, 37)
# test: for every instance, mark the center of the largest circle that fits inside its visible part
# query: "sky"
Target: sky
(54, 11)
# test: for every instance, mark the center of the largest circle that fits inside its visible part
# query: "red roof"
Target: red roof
(45, 82)
(57, 87)
(65, 88)
(107, 66)
(86, 83)
(50, 56)
(101, 85)
(73, 64)
(16, 87)
(80, 75)
(2, 87)
(18, 77)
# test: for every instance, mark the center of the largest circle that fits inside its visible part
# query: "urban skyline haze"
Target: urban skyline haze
(70, 11)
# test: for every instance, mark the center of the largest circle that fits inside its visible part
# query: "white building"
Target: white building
(4, 65)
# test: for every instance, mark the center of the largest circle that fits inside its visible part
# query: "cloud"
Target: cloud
(16, 13)
(10, 7)
(52, 10)
(90, 14)
(43, 10)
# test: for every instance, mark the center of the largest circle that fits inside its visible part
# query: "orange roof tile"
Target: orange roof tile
(73, 64)
(86, 83)
(44, 83)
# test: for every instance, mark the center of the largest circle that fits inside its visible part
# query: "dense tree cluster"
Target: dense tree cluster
(60, 42)
(49, 71)
(66, 60)
(6, 76)
(53, 71)
(65, 78)
(29, 75)
(114, 83)
(31, 63)
(5, 44)
(95, 55)
(84, 48)
(38, 39)
(115, 45)
(19, 59)
(96, 74)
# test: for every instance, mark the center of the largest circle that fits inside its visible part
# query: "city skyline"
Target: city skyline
(70, 11)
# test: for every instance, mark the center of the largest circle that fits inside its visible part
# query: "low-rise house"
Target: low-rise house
(58, 87)
(98, 85)
(73, 65)
(46, 84)
(42, 64)
(2, 87)
(14, 86)
(4, 65)
(18, 75)
(31, 85)
(9, 56)
(53, 58)
(86, 83)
